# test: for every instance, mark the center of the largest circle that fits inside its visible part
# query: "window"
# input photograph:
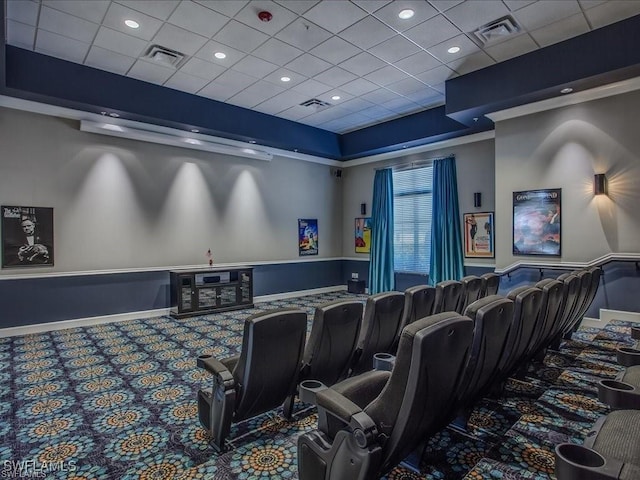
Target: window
(412, 194)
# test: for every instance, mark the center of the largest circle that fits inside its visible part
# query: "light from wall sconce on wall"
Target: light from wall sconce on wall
(477, 199)
(363, 209)
(599, 184)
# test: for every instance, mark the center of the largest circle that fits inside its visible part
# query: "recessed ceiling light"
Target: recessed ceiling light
(192, 141)
(566, 90)
(131, 23)
(454, 49)
(252, 141)
(195, 130)
(285, 79)
(220, 55)
(114, 115)
(335, 97)
(406, 14)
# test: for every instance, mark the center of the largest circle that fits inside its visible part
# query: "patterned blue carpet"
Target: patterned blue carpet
(118, 401)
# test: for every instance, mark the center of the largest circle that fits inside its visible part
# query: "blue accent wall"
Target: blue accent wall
(31, 301)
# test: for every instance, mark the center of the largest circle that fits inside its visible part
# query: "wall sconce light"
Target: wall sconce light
(477, 199)
(599, 184)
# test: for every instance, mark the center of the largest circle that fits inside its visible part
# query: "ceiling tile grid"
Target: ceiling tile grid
(359, 56)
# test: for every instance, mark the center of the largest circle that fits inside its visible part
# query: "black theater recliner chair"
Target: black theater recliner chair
(611, 450)
(418, 303)
(369, 423)
(259, 379)
(493, 318)
(448, 294)
(332, 343)
(491, 284)
(472, 287)
(380, 328)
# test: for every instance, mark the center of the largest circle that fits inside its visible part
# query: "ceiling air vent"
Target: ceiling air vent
(164, 56)
(497, 30)
(316, 104)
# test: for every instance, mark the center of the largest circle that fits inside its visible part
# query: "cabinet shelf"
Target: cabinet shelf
(203, 291)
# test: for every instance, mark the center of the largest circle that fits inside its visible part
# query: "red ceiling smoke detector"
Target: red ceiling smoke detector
(265, 16)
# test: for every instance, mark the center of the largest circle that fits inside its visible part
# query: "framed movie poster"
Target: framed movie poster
(307, 236)
(478, 235)
(363, 235)
(536, 222)
(27, 236)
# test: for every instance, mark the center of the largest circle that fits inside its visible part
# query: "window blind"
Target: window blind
(412, 195)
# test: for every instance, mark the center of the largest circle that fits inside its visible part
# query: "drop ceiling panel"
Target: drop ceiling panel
(108, 60)
(117, 14)
(335, 16)
(335, 50)
(539, 14)
(386, 75)
(207, 52)
(198, 19)
(612, 11)
(200, 68)
(389, 13)
(160, 9)
(514, 47)
(119, 42)
(23, 11)
(20, 34)
(562, 30)
(394, 49)
(418, 63)
(362, 63)
(335, 77)
(298, 6)
(432, 32)
(240, 36)
(61, 47)
(73, 27)
(185, 82)
(367, 32)
(308, 65)
(93, 11)
(278, 52)
(303, 34)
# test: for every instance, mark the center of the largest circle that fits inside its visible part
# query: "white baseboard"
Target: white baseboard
(121, 317)
(81, 322)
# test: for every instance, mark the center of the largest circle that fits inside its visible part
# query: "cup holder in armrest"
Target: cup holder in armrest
(635, 333)
(202, 359)
(308, 389)
(628, 356)
(383, 361)
(577, 462)
(618, 395)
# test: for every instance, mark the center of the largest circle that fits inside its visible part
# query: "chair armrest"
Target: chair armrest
(363, 427)
(218, 370)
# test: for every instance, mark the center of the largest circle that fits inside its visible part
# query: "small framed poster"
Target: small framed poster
(27, 236)
(478, 235)
(363, 235)
(307, 236)
(536, 222)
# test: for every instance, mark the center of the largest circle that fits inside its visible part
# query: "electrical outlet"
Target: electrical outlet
(354, 276)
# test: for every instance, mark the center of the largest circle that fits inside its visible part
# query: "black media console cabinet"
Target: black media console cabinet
(209, 290)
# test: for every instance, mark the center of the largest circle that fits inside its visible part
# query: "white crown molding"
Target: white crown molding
(596, 93)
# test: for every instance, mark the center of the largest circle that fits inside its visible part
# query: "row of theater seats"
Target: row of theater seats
(611, 449)
(344, 337)
(503, 333)
(444, 364)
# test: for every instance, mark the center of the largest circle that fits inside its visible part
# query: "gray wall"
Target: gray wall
(475, 170)
(563, 148)
(123, 204)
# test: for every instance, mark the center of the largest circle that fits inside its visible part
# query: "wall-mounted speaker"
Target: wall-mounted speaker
(363, 209)
(477, 199)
